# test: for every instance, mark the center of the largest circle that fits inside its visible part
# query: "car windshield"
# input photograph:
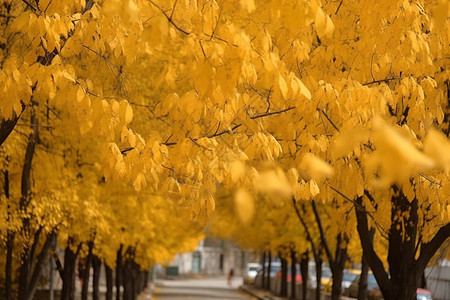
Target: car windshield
(326, 273)
(349, 276)
(371, 282)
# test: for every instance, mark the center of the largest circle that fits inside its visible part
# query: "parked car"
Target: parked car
(372, 287)
(375, 293)
(298, 276)
(251, 270)
(347, 279)
(423, 294)
(326, 278)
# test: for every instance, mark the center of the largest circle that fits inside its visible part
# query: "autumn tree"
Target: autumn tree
(348, 100)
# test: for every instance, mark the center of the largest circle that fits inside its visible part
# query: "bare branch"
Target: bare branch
(170, 19)
(382, 80)
(273, 113)
(29, 5)
(329, 120)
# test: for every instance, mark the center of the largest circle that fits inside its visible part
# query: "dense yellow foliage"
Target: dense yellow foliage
(319, 100)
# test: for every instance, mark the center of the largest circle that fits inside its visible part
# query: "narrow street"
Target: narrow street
(204, 288)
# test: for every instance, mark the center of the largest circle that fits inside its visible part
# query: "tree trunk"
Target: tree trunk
(9, 243)
(405, 269)
(304, 261)
(39, 265)
(293, 274)
(362, 287)
(68, 272)
(8, 265)
(318, 260)
(264, 271)
(128, 280)
(25, 262)
(86, 272)
(96, 264)
(7, 126)
(284, 270)
(337, 267)
(109, 282)
(269, 258)
(118, 272)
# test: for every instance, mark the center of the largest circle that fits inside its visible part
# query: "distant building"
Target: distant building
(438, 280)
(213, 256)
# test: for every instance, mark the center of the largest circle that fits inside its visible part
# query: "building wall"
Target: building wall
(215, 256)
(438, 280)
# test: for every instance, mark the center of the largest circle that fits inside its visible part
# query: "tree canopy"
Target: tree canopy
(342, 104)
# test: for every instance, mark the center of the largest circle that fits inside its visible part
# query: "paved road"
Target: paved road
(201, 289)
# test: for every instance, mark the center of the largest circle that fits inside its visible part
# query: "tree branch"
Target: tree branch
(272, 113)
(382, 80)
(308, 234)
(322, 235)
(170, 19)
(29, 5)
(430, 248)
(370, 255)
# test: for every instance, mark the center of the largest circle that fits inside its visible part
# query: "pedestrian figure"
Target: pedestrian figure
(230, 276)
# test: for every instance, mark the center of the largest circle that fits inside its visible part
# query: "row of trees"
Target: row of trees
(336, 108)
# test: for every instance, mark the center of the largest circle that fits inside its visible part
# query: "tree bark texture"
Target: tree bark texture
(304, 261)
(96, 265)
(118, 272)
(86, 272)
(293, 274)
(109, 282)
(405, 270)
(284, 270)
(362, 287)
(68, 272)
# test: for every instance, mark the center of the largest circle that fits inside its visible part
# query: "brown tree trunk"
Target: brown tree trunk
(362, 287)
(337, 267)
(264, 271)
(304, 261)
(405, 269)
(86, 272)
(128, 285)
(42, 258)
(68, 272)
(269, 258)
(284, 270)
(24, 270)
(8, 265)
(9, 243)
(96, 265)
(7, 126)
(293, 274)
(118, 272)
(109, 282)
(318, 261)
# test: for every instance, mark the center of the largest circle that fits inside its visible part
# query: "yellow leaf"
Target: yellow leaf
(283, 87)
(437, 146)
(244, 205)
(139, 182)
(313, 188)
(248, 5)
(316, 167)
(80, 94)
(126, 112)
(237, 170)
(275, 182)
